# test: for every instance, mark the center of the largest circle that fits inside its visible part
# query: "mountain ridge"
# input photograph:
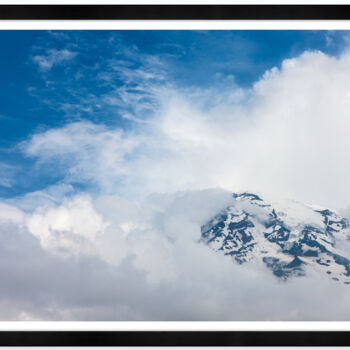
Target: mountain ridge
(287, 237)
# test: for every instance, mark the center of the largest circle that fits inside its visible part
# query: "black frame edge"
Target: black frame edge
(174, 338)
(174, 12)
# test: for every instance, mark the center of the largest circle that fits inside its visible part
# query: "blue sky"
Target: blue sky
(51, 79)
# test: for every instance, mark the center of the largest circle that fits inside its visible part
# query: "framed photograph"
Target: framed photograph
(175, 175)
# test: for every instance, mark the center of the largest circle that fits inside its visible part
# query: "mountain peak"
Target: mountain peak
(287, 237)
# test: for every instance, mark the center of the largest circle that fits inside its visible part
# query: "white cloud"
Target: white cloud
(88, 151)
(68, 228)
(287, 135)
(10, 213)
(53, 57)
(51, 195)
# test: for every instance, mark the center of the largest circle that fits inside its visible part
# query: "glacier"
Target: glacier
(287, 236)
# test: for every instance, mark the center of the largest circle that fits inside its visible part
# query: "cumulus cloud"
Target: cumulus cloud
(67, 226)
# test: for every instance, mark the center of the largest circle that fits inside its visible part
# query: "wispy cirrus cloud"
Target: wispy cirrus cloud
(7, 175)
(121, 84)
(53, 57)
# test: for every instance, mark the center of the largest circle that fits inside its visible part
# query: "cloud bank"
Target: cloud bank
(143, 262)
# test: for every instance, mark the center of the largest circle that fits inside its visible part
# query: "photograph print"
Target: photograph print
(184, 175)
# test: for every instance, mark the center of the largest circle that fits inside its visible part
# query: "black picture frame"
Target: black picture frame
(174, 12)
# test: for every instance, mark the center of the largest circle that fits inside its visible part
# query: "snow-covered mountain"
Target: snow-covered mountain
(287, 236)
